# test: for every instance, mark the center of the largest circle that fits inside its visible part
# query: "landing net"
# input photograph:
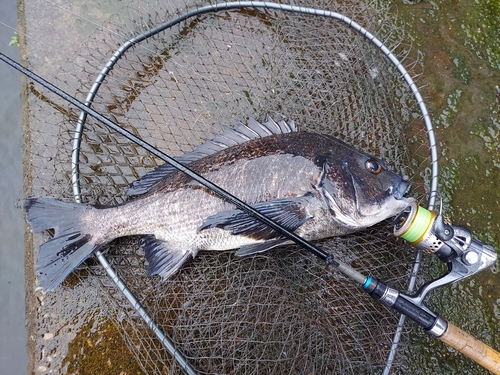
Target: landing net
(282, 312)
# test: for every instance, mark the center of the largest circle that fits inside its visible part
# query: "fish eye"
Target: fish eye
(373, 166)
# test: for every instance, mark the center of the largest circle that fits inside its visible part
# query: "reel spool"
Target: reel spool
(432, 233)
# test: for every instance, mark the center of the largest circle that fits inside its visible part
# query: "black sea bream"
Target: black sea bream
(312, 184)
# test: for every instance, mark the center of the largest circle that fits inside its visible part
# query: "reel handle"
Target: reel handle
(473, 348)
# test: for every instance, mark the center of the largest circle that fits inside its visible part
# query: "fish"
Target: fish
(311, 184)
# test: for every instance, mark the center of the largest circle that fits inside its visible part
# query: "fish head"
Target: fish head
(359, 189)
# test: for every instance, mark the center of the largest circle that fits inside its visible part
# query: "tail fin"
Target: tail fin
(70, 246)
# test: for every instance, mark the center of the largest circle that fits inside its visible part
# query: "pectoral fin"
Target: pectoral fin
(291, 213)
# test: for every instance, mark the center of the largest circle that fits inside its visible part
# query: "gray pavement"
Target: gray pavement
(13, 336)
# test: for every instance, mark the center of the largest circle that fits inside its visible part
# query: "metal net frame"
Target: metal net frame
(279, 312)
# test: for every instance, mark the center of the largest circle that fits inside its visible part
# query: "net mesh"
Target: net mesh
(280, 312)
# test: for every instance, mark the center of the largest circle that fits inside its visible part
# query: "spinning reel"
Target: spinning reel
(464, 255)
(452, 244)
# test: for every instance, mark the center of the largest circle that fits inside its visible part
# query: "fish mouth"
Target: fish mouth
(398, 191)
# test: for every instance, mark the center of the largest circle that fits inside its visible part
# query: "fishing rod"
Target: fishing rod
(424, 229)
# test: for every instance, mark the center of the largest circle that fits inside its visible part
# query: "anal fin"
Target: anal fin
(162, 260)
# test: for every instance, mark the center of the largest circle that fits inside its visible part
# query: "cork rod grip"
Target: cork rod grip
(476, 350)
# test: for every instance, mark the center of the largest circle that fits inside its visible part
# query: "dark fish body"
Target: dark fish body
(312, 184)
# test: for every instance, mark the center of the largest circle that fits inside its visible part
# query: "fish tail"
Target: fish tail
(69, 247)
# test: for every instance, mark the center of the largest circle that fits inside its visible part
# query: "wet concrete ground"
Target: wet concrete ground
(13, 336)
(52, 36)
(458, 80)
(459, 48)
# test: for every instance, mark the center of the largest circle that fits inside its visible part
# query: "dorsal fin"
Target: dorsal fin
(230, 137)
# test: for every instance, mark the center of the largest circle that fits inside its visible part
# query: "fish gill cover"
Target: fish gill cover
(277, 312)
